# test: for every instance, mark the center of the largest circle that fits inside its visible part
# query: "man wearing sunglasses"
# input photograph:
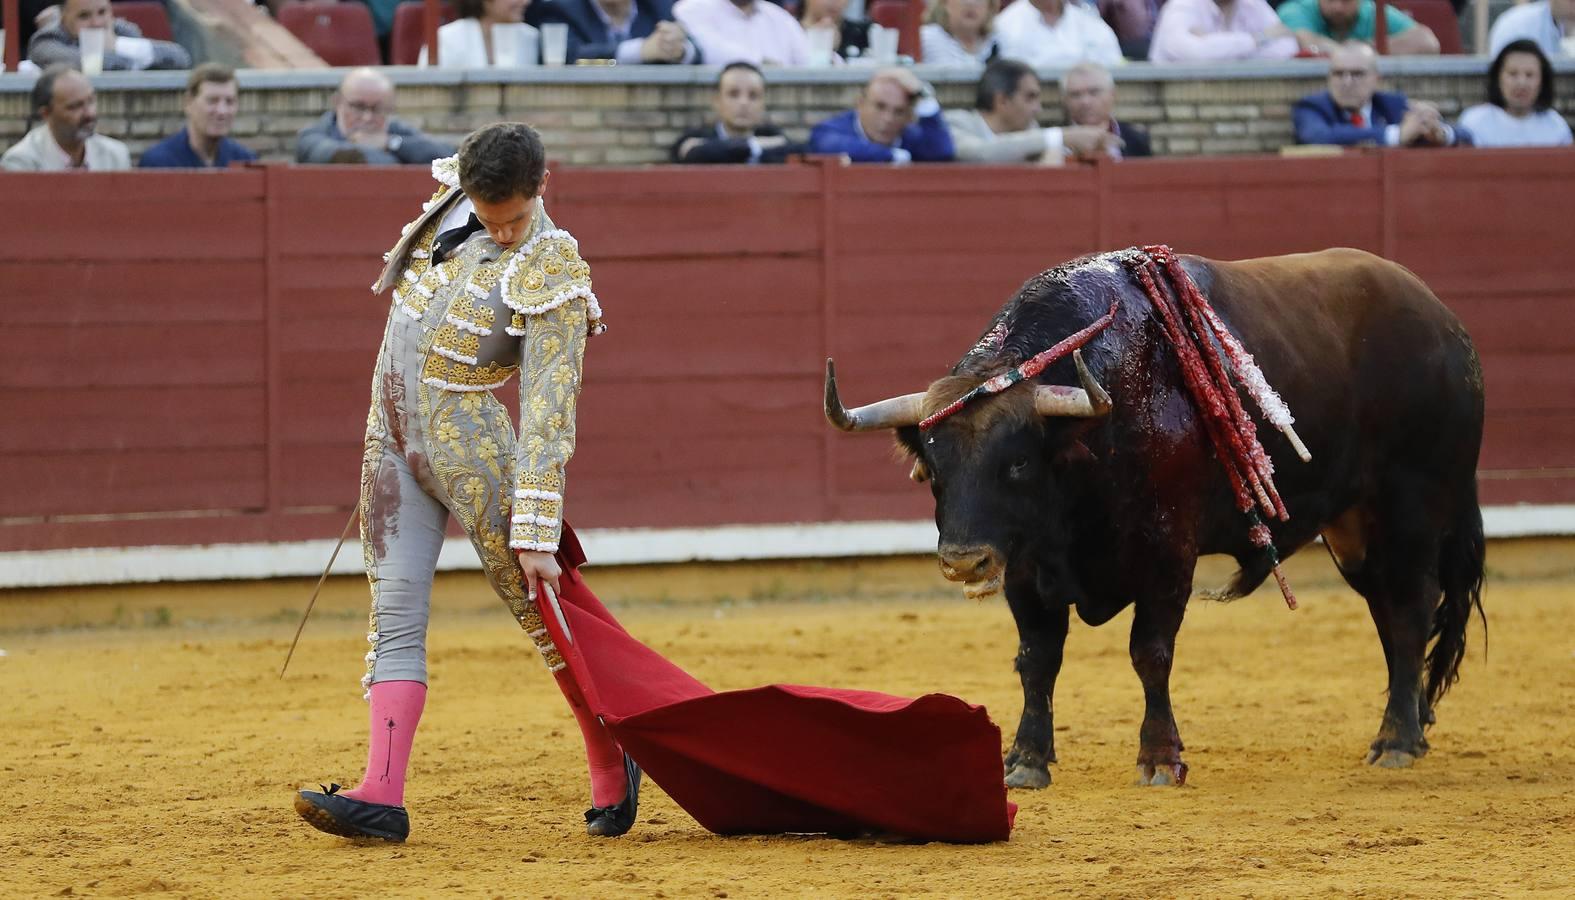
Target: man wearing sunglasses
(361, 128)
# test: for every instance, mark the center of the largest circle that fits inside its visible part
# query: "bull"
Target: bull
(1102, 495)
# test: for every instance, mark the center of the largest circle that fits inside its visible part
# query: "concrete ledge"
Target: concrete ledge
(612, 546)
(12, 82)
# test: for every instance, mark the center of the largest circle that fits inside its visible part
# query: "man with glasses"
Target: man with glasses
(1353, 111)
(361, 128)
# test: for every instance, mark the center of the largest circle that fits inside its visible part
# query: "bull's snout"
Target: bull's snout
(968, 563)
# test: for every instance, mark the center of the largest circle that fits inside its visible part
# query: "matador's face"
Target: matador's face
(508, 221)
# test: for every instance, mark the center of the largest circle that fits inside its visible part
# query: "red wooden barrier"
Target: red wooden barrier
(188, 355)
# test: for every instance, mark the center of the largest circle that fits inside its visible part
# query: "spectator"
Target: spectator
(1050, 34)
(1133, 23)
(741, 133)
(852, 35)
(1353, 111)
(960, 33)
(124, 45)
(628, 31)
(211, 99)
(1519, 111)
(359, 128)
(1321, 26)
(1088, 94)
(63, 100)
(1003, 126)
(897, 120)
(1546, 21)
(488, 33)
(1219, 30)
(752, 31)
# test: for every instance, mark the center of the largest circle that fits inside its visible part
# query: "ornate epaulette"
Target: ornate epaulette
(545, 274)
(446, 172)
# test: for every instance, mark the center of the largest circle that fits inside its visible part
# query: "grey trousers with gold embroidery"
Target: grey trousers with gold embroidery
(451, 457)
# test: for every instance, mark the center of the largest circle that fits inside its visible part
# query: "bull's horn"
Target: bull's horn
(1088, 402)
(893, 413)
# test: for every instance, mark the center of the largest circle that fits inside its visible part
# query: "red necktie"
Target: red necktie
(1357, 120)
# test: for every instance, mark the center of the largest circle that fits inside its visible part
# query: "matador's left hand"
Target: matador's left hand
(540, 568)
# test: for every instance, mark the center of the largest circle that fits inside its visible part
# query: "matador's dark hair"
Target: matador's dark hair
(500, 161)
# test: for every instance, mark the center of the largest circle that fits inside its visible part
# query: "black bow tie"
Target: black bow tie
(449, 241)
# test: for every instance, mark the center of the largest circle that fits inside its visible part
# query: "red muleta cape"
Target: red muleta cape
(785, 758)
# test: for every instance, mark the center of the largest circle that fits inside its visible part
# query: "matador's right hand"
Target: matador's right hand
(539, 567)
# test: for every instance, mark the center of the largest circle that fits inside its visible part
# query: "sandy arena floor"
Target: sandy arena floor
(149, 747)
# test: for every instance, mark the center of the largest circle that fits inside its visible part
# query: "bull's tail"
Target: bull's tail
(1460, 570)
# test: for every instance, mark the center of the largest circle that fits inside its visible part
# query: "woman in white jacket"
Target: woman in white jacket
(488, 33)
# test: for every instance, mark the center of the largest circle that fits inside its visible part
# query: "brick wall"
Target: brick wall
(631, 115)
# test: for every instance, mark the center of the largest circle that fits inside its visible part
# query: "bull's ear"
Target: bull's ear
(907, 448)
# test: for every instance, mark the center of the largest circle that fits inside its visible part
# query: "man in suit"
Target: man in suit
(1353, 111)
(361, 128)
(630, 32)
(66, 138)
(741, 133)
(1003, 126)
(1088, 93)
(897, 120)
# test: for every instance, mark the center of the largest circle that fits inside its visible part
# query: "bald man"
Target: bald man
(67, 138)
(361, 128)
(124, 46)
(1354, 111)
(897, 120)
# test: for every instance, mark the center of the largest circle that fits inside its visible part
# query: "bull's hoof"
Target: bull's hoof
(1163, 775)
(1391, 759)
(1031, 777)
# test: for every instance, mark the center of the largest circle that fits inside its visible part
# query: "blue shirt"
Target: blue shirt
(174, 152)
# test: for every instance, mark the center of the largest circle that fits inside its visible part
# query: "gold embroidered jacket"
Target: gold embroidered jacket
(528, 308)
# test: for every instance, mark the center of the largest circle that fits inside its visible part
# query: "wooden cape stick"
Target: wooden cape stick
(317, 590)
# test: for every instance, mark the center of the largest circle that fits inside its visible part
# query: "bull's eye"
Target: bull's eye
(1018, 470)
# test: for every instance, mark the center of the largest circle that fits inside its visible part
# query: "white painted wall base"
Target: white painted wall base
(611, 546)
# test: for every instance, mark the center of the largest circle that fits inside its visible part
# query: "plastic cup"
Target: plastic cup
(92, 40)
(822, 44)
(554, 43)
(505, 53)
(883, 45)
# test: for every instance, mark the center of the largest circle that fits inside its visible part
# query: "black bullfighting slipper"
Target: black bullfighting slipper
(612, 821)
(347, 817)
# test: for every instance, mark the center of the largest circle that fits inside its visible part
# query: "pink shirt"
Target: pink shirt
(1197, 31)
(763, 33)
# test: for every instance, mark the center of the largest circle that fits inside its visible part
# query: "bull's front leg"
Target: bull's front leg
(1152, 647)
(1041, 638)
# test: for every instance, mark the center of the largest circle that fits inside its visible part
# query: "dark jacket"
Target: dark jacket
(322, 142)
(711, 147)
(1319, 121)
(174, 152)
(928, 139)
(588, 36)
(1136, 139)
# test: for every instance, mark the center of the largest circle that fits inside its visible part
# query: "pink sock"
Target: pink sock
(396, 711)
(602, 753)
